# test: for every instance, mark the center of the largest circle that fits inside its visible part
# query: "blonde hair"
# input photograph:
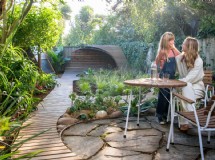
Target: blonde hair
(192, 51)
(164, 44)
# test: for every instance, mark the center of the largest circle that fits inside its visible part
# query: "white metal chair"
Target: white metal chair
(209, 92)
(203, 119)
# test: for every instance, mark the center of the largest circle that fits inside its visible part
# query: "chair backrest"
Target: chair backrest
(209, 88)
(207, 79)
(210, 112)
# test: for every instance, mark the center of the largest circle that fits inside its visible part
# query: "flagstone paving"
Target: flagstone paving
(103, 140)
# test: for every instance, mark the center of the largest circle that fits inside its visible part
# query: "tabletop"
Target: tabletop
(159, 83)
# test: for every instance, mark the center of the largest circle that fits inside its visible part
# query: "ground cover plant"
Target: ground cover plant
(104, 90)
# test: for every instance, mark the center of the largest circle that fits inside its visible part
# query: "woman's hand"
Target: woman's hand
(172, 46)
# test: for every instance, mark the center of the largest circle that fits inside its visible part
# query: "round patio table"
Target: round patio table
(158, 83)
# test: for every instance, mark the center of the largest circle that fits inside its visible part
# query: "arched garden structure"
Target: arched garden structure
(95, 56)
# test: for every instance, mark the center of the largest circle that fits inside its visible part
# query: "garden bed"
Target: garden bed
(102, 94)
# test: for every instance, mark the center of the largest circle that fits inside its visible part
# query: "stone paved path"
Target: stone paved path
(103, 140)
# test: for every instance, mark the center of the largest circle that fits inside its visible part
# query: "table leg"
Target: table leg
(138, 113)
(128, 112)
(171, 130)
(173, 113)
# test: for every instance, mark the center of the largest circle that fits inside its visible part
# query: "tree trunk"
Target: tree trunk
(39, 57)
(30, 55)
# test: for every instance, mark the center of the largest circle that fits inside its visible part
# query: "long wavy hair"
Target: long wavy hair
(164, 44)
(192, 51)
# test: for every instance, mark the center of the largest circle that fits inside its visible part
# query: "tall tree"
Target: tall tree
(9, 27)
(10, 20)
(83, 28)
(205, 11)
(42, 28)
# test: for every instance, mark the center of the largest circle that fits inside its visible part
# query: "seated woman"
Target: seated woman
(190, 68)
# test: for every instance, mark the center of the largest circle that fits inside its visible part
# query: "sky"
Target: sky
(99, 7)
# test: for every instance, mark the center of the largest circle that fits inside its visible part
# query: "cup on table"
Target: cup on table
(166, 77)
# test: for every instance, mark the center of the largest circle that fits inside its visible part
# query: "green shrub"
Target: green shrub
(57, 60)
(109, 89)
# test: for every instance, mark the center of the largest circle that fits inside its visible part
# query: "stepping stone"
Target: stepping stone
(146, 141)
(177, 152)
(83, 147)
(109, 153)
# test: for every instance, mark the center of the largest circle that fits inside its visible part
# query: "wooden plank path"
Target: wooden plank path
(52, 107)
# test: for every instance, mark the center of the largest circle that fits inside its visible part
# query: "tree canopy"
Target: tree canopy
(137, 25)
(41, 27)
(82, 30)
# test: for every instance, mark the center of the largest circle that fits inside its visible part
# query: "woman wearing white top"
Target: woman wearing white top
(190, 68)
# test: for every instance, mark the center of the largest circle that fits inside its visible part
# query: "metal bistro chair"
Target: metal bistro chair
(203, 119)
(209, 92)
(209, 88)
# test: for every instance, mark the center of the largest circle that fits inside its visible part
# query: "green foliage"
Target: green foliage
(207, 27)
(120, 31)
(4, 124)
(83, 116)
(109, 90)
(138, 25)
(82, 103)
(47, 81)
(83, 30)
(85, 87)
(136, 53)
(65, 11)
(149, 103)
(41, 27)
(145, 25)
(18, 77)
(57, 60)
(107, 31)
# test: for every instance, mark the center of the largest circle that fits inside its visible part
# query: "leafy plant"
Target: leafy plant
(57, 60)
(85, 87)
(18, 77)
(47, 81)
(109, 92)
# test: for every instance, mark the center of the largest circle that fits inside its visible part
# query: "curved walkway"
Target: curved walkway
(52, 107)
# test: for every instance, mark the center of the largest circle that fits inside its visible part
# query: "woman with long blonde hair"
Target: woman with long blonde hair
(190, 68)
(165, 59)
